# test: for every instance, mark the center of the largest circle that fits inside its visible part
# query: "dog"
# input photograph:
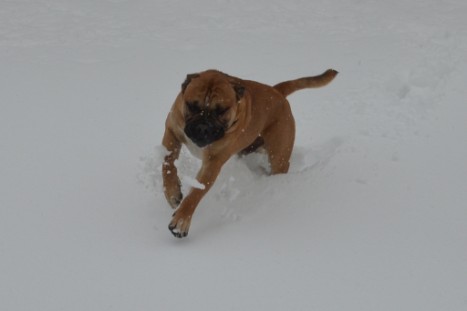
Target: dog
(217, 116)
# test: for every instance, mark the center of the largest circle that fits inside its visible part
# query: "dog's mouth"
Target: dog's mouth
(204, 133)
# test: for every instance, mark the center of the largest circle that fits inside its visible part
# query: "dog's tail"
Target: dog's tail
(288, 87)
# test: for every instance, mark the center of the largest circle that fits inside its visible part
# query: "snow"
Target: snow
(372, 215)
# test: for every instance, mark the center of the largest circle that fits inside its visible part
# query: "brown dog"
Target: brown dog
(216, 116)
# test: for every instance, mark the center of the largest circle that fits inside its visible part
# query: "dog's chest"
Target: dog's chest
(194, 150)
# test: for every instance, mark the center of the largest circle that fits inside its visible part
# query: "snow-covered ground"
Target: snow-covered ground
(372, 216)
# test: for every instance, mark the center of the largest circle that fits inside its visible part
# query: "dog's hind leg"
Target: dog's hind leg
(279, 141)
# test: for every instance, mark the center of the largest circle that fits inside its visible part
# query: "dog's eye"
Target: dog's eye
(193, 107)
(220, 110)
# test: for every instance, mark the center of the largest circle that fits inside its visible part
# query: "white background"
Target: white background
(372, 215)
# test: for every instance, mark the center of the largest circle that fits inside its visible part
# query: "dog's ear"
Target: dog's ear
(239, 90)
(188, 79)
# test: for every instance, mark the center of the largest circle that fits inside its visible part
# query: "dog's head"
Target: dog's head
(211, 101)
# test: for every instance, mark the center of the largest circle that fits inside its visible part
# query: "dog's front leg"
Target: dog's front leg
(172, 186)
(208, 173)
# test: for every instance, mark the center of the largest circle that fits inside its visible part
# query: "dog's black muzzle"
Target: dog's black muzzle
(204, 131)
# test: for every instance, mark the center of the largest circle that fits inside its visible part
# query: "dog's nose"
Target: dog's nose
(204, 130)
(205, 133)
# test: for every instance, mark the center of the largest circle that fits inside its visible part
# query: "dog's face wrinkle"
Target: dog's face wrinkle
(217, 111)
(210, 91)
(210, 103)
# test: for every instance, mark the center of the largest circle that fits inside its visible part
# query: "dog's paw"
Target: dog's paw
(180, 225)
